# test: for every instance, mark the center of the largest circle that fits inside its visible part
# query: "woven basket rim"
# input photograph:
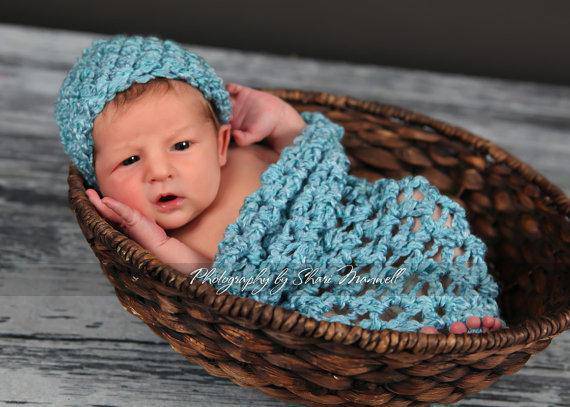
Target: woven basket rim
(279, 319)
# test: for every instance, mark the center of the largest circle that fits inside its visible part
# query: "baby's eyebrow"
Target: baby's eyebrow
(183, 129)
(123, 146)
(173, 135)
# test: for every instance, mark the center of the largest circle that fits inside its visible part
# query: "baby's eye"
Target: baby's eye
(129, 160)
(183, 145)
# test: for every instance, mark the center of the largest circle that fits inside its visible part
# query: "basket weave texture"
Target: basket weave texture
(522, 217)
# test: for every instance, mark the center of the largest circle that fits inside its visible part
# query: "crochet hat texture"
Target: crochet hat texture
(111, 66)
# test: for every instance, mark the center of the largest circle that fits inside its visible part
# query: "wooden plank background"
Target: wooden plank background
(64, 338)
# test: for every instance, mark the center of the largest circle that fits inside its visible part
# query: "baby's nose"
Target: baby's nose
(160, 177)
(160, 172)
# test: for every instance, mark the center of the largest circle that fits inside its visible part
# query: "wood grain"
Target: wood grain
(64, 337)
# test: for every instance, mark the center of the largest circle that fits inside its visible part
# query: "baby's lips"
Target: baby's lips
(157, 199)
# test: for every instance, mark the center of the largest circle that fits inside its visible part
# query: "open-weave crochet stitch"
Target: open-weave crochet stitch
(336, 247)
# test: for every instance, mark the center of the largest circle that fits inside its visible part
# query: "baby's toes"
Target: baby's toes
(497, 325)
(473, 322)
(428, 330)
(458, 328)
(488, 322)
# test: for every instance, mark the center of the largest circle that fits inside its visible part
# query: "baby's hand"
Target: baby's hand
(150, 235)
(144, 231)
(257, 115)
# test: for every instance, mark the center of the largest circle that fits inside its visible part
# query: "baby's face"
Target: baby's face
(161, 143)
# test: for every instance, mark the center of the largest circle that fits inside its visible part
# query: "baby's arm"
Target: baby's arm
(259, 115)
(149, 235)
(290, 126)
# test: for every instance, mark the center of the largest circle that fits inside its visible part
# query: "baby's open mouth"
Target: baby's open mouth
(169, 202)
(167, 198)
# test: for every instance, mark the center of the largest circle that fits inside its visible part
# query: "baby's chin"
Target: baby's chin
(171, 224)
(173, 221)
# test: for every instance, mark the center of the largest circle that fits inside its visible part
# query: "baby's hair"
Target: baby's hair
(158, 85)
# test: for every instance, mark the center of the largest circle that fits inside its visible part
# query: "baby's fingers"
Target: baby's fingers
(105, 211)
(233, 88)
(129, 217)
(145, 231)
(243, 138)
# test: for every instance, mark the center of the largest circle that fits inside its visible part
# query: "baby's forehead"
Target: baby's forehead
(139, 93)
(116, 109)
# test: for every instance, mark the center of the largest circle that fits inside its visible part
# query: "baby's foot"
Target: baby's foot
(487, 323)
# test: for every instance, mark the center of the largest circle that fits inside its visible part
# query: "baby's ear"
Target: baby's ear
(224, 136)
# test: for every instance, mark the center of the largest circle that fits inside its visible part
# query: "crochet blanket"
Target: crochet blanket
(336, 247)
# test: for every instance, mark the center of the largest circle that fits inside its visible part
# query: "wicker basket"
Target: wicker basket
(521, 216)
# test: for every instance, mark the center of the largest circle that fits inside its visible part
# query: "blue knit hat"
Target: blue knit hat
(111, 66)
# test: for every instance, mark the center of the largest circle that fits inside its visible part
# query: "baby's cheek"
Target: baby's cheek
(137, 201)
(146, 208)
(206, 188)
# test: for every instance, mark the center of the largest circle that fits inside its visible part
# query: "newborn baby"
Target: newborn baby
(162, 156)
(173, 168)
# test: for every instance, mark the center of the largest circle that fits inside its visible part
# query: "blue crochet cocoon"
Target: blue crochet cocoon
(340, 248)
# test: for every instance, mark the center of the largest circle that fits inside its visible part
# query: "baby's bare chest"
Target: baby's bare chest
(240, 177)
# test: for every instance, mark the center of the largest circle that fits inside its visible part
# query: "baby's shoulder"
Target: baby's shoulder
(245, 165)
(253, 153)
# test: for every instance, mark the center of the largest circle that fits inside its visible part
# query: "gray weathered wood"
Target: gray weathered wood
(65, 339)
